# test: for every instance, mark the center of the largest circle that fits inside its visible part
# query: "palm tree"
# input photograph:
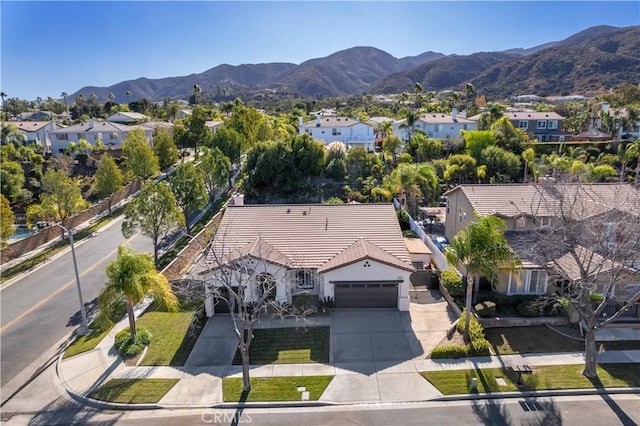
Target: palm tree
(633, 150)
(93, 97)
(128, 95)
(64, 96)
(417, 88)
(79, 101)
(481, 249)
(528, 155)
(132, 276)
(195, 92)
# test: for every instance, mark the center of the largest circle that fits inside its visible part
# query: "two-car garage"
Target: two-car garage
(366, 294)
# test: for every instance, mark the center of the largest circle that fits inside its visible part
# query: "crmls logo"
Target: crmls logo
(217, 417)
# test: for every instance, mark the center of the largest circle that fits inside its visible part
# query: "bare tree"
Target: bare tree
(255, 281)
(588, 236)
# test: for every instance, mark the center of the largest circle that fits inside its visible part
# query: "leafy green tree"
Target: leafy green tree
(108, 179)
(507, 136)
(411, 182)
(633, 150)
(528, 155)
(11, 180)
(141, 161)
(501, 164)
(391, 145)
(7, 219)
(61, 197)
(132, 276)
(11, 135)
(460, 168)
(425, 148)
(481, 249)
(252, 125)
(154, 212)
(165, 149)
(477, 140)
(189, 189)
(229, 142)
(195, 131)
(215, 169)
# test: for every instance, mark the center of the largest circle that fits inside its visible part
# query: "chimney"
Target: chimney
(454, 113)
(605, 107)
(463, 113)
(318, 119)
(238, 199)
(300, 123)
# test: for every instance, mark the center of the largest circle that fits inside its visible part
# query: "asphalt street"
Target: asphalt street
(596, 410)
(42, 307)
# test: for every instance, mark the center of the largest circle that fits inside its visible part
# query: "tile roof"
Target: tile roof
(313, 235)
(544, 200)
(533, 115)
(361, 250)
(29, 126)
(333, 122)
(439, 118)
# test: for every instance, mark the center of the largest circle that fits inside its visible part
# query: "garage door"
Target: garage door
(366, 295)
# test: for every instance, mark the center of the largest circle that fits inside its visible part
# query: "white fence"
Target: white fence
(437, 257)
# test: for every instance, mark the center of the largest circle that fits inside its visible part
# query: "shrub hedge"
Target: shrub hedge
(128, 347)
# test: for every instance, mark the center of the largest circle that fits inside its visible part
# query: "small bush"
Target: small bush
(486, 309)
(529, 309)
(472, 320)
(452, 282)
(128, 347)
(449, 351)
(327, 304)
(480, 346)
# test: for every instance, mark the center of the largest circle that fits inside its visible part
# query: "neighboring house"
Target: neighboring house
(541, 126)
(351, 132)
(354, 253)
(213, 125)
(35, 116)
(153, 125)
(111, 134)
(377, 127)
(544, 126)
(184, 113)
(37, 132)
(436, 125)
(529, 210)
(127, 118)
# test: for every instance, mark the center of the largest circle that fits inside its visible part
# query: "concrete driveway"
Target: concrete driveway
(362, 339)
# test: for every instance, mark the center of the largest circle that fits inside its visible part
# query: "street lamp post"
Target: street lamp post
(84, 328)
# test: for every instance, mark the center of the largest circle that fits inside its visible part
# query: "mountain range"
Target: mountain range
(596, 59)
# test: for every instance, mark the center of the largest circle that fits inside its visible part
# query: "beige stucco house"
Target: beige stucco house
(354, 253)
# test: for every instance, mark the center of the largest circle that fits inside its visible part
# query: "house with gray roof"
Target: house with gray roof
(112, 135)
(606, 233)
(436, 125)
(351, 132)
(354, 253)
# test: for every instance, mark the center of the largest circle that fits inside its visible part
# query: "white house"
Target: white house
(111, 134)
(127, 117)
(37, 132)
(436, 125)
(354, 253)
(351, 132)
(213, 125)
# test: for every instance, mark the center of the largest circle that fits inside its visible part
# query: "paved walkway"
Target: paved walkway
(367, 381)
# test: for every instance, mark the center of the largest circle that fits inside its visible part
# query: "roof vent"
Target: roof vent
(304, 212)
(288, 211)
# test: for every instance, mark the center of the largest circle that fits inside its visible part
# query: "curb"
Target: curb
(537, 394)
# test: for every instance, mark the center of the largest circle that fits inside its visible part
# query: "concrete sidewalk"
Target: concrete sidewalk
(370, 381)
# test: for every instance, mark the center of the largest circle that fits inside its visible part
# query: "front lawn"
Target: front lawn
(170, 341)
(535, 339)
(288, 346)
(552, 377)
(85, 343)
(134, 391)
(275, 388)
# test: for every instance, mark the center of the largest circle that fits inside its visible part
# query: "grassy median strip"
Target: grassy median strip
(170, 341)
(552, 377)
(275, 388)
(288, 346)
(85, 343)
(134, 391)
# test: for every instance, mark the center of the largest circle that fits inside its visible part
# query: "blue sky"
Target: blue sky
(53, 46)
